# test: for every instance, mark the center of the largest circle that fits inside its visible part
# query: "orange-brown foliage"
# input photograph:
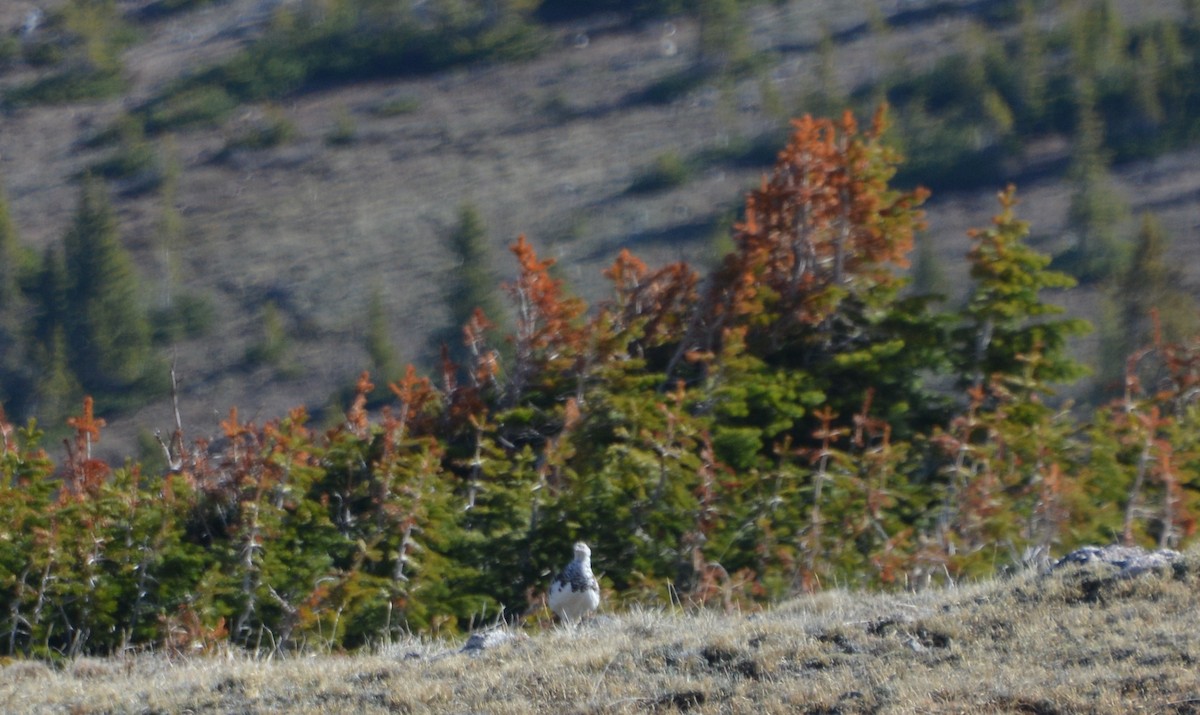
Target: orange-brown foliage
(824, 223)
(84, 474)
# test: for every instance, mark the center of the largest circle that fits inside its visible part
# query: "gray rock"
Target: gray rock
(1129, 561)
(486, 640)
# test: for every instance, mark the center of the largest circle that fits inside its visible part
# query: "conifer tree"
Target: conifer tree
(1031, 68)
(1096, 212)
(472, 286)
(170, 226)
(55, 387)
(8, 257)
(274, 343)
(27, 489)
(1006, 321)
(1149, 66)
(548, 339)
(14, 378)
(384, 363)
(96, 23)
(50, 298)
(108, 337)
(1097, 39)
(815, 273)
(1160, 283)
(723, 41)
(1151, 287)
(176, 314)
(828, 97)
(928, 275)
(887, 66)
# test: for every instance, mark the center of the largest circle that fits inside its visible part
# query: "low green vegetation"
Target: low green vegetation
(396, 107)
(344, 130)
(979, 106)
(188, 106)
(68, 86)
(310, 47)
(134, 159)
(80, 46)
(273, 345)
(188, 316)
(668, 171)
(272, 130)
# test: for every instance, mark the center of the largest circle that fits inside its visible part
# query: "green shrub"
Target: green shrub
(189, 316)
(668, 171)
(557, 107)
(128, 161)
(672, 87)
(10, 49)
(69, 86)
(273, 344)
(273, 130)
(43, 54)
(344, 130)
(396, 107)
(197, 105)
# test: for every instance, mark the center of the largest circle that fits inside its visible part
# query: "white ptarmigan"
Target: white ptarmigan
(574, 593)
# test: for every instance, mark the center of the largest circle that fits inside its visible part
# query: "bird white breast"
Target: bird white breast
(570, 604)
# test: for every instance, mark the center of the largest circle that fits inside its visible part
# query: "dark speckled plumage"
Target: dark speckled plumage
(574, 593)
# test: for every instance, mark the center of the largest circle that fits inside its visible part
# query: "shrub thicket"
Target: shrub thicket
(780, 424)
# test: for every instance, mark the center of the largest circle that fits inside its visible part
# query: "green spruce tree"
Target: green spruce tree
(1147, 298)
(471, 285)
(723, 36)
(1097, 39)
(928, 275)
(50, 298)
(170, 226)
(11, 312)
(108, 339)
(56, 390)
(1007, 331)
(384, 363)
(1031, 68)
(1097, 211)
(827, 97)
(8, 257)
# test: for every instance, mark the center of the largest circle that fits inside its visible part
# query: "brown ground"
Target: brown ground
(1075, 641)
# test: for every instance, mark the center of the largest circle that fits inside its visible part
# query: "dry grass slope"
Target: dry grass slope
(1080, 640)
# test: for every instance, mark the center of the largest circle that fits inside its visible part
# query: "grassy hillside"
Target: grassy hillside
(287, 214)
(1079, 640)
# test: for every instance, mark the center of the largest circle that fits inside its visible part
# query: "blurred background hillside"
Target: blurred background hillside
(274, 195)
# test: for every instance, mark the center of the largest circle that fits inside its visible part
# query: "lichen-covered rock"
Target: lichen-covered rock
(486, 640)
(1129, 561)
